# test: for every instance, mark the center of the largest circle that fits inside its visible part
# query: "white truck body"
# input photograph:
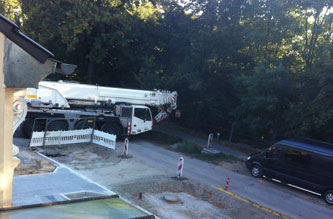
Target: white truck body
(110, 106)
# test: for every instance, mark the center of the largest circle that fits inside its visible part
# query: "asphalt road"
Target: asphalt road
(287, 201)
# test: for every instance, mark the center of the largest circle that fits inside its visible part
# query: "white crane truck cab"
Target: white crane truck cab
(141, 120)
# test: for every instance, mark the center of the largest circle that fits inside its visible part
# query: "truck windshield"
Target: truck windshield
(143, 114)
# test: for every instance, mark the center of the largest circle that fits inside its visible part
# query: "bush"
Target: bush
(161, 138)
(189, 147)
(215, 158)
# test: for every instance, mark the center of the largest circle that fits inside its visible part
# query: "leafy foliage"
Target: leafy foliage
(264, 66)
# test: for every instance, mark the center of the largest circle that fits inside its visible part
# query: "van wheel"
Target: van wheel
(256, 171)
(328, 196)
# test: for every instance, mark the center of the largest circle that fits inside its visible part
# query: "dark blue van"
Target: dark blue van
(304, 164)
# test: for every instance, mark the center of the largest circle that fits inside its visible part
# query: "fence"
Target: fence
(72, 137)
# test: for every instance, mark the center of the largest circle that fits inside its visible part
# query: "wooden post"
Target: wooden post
(7, 162)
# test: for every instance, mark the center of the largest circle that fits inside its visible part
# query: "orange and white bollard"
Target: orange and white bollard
(180, 167)
(126, 147)
(227, 183)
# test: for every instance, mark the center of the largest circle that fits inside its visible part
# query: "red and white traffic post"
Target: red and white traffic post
(126, 147)
(128, 129)
(210, 140)
(180, 167)
(227, 183)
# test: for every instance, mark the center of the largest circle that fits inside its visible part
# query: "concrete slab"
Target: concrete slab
(210, 151)
(66, 193)
(102, 208)
(51, 187)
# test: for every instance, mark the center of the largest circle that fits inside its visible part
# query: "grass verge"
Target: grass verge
(161, 138)
(188, 148)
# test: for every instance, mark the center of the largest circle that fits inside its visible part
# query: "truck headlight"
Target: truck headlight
(249, 157)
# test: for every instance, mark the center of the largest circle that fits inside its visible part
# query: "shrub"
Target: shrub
(189, 147)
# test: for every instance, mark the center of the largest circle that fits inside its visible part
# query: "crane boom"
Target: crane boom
(64, 94)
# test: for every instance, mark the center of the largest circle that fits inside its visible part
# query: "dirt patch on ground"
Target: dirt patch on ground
(31, 162)
(194, 200)
(188, 206)
(78, 153)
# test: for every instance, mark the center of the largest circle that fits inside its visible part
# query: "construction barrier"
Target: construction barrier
(73, 137)
(210, 140)
(37, 139)
(104, 139)
(128, 129)
(227, 183)
(126, 142)
(180, 167)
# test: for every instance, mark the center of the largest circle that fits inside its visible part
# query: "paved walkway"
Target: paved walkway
(66, 184)
(202, 142)
(52, 187)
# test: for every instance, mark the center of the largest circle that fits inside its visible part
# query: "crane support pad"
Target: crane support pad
(73, 137)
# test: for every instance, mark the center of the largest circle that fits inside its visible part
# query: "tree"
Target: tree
(11, 9)
(262, 65)
(92, 34)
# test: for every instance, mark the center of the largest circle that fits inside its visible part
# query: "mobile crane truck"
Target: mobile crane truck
(118, 111)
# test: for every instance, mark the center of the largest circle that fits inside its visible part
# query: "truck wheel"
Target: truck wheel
(57, 125)
(256, 171)
(27, 127)
(328, 197)
(111, 128)
(83, 125)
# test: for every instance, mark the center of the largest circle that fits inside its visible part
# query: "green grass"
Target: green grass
(215, 158)
(161, 138)
(194, 150)
(186, 147)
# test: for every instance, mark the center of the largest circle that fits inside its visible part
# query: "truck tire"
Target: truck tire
(111, 128)
(57, 125)
(27, 127)
(83, 125)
